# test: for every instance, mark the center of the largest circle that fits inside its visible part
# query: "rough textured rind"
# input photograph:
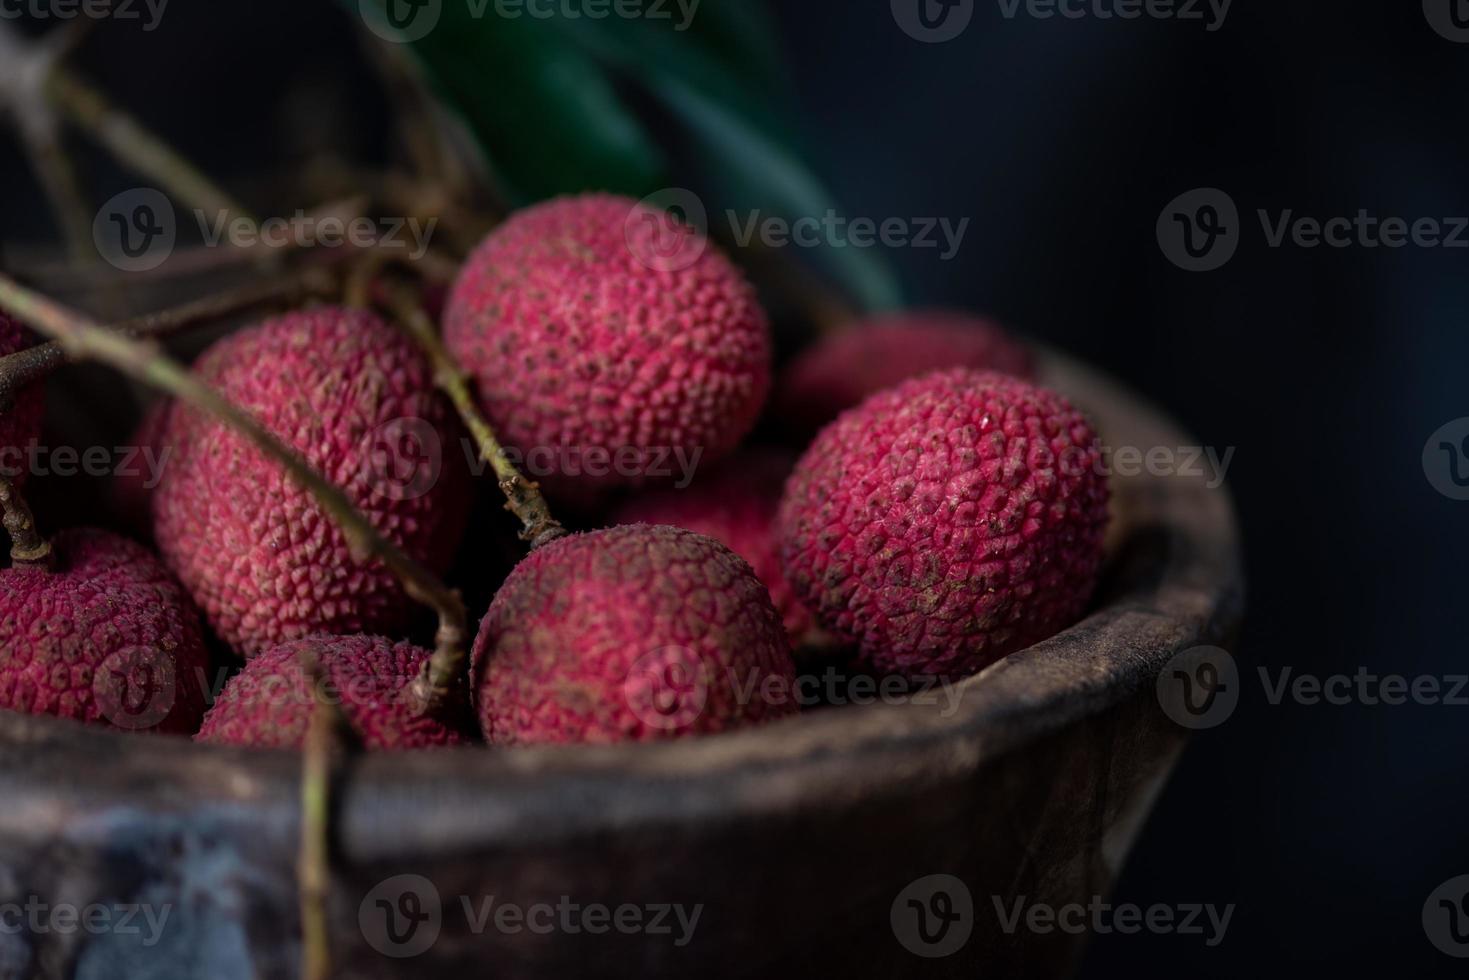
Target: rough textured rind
(21, 422)
(852, 364)
(269, 704)
(947, 522)
(633, 633)
(736, 506)
(106, 637)
(579, 342)
(255, 550)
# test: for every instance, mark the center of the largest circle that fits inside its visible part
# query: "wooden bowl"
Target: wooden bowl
(801, 844)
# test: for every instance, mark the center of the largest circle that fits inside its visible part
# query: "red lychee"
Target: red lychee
(269, 704)
(355, 398)
(633, 633)
(947, 522)
(106, 636)
(736, 506)
(847, 367)
(606, 338)
(20, 423)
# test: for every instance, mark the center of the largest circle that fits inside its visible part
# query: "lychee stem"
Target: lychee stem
(27, 545)
(523, 497)
(325, 731)
(134, 145)
(28, 366)
(82, 338)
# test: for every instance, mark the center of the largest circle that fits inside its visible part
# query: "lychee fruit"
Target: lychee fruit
(633, 633)
(20, 423)
(105, 635)
(354, 397)
(607, 338)
(947, 522)
(269, 704)
(846, 367)
(736, 506)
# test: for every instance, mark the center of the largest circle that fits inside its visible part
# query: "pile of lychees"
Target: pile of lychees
(946, 511)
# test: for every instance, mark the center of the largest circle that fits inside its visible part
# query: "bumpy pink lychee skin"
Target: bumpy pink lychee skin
(630, 634)
(847, 367)
(255, 550)
(595, 323)
(947, 522)
(736, 506)
(21, 422)
(107, 636)
(269, 704)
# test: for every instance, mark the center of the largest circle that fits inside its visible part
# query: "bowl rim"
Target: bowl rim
(1175, 583)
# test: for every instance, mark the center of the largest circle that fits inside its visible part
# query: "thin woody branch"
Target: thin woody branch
(143, 361)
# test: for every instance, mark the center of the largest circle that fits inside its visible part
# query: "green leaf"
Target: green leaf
(755, 173)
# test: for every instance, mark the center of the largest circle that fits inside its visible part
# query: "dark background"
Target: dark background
(1326, 369)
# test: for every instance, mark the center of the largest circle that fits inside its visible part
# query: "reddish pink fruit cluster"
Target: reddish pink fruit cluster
(736, 506)
(20, 422)
(848, 366)
(633, 633)
(270, 703)
(948, 522)
(106, 635)
(354, 396)
(597, 328)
